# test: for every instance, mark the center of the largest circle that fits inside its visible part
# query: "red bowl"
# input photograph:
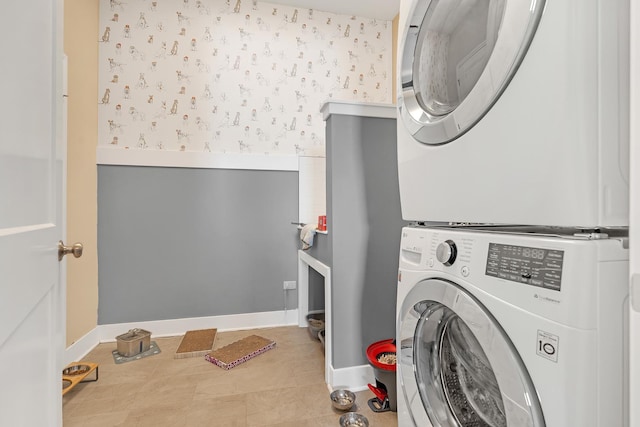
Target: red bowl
(377, 348)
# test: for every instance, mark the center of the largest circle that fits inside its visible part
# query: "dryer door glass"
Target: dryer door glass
(456, 364)
(458, 58)
(454, 45)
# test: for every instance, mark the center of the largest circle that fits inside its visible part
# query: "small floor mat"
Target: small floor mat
(240, 351)
(153, 349)
(196, 343)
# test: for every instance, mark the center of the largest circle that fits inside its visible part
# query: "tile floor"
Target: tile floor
(282, 387)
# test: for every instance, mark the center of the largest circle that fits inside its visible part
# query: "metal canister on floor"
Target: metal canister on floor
(133, 342)
(382, 357)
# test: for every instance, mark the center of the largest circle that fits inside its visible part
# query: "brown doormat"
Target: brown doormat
(240, 351)
(196, 343)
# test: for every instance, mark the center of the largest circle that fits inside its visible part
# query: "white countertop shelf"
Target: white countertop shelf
(361, 109)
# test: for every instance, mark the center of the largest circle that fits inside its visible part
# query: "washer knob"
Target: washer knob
(446, 252)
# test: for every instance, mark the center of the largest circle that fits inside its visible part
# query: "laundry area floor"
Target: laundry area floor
(282, 387)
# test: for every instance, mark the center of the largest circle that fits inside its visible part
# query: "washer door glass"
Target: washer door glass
(458, 58)
(468, 389)
(457, 366)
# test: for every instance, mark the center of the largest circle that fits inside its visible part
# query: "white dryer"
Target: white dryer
(511, 327)
(514, 111)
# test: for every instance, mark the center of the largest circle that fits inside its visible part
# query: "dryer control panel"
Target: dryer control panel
(528, 265)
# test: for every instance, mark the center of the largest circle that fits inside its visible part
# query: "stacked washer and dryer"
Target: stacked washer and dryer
(513, 169)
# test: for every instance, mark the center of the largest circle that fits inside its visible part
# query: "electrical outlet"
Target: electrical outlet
(286, 285)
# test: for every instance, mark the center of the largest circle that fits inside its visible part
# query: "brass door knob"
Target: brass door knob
(75, 249)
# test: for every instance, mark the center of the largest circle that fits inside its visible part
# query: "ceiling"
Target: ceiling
(379, 9)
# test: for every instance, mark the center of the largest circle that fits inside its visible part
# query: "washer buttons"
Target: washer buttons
(430, 262)
(464, 271)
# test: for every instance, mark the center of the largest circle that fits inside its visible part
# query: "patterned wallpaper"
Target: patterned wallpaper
(232, 76)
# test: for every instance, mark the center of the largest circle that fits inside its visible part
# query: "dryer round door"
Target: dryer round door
(457, 59)
(457, 366)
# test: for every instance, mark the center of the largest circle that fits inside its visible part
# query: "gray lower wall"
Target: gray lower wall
(316, 290)
(178, 243)
(365, 224)
(320, 249)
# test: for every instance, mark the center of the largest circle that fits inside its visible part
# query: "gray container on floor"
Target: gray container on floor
(133, 342)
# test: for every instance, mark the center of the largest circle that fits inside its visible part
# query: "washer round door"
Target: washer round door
(457, 366)
(458, 58)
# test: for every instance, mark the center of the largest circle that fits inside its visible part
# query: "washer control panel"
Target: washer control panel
(523, 264)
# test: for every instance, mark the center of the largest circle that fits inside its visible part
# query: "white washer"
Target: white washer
(514, 111)
(501, 327)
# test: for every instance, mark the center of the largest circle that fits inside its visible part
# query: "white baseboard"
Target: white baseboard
(173, 327)
(354, 378)
(81, 347)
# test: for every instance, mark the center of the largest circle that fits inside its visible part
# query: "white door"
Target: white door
(634, 220)
(31, 174)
